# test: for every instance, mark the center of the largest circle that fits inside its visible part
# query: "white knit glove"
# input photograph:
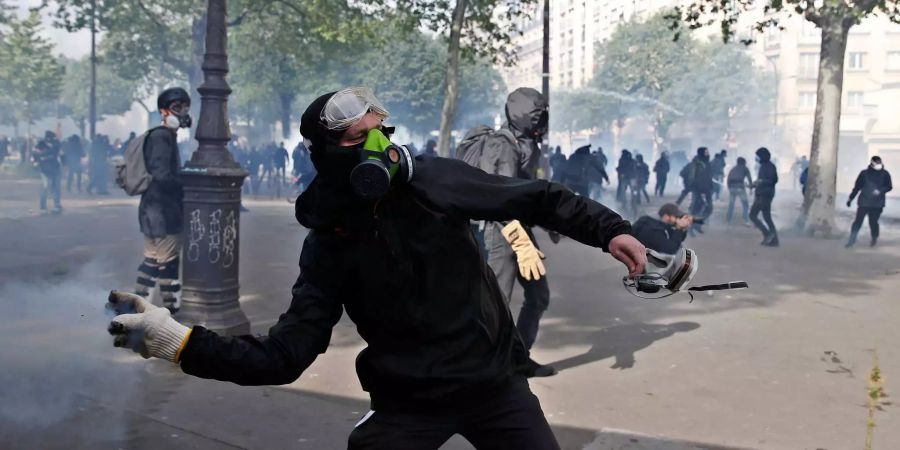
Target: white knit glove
(145, 328)
(527, 255)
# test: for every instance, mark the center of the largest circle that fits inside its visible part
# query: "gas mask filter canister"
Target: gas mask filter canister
(382, 162)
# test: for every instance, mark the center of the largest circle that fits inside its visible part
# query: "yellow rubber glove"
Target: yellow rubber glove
(528, 256)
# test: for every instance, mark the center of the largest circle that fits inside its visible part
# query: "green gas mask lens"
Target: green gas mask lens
(382, 162)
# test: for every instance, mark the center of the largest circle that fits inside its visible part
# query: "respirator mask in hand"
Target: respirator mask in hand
(665, 275)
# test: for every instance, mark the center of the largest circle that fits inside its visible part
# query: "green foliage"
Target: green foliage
(114, 94)
(30, 76)
(643, 72)
(487, 33)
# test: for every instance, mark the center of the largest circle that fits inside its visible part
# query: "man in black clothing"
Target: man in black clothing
(717, 170)
(872, 185)
(661, 169)
(581, 170)
(700, 185)
(46, 159)
(665, 234)
(642, 176)
(72, 153)
(160, 209)
(558, 165)
(443, 353)
(762, 201)
(737, 189)
(625, 173)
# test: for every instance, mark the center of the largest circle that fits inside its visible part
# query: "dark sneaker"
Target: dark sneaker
(874, 242)
(850, 241)
(772, 242)
(535, 369)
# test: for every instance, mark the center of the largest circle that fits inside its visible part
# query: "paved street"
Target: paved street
(782, 365)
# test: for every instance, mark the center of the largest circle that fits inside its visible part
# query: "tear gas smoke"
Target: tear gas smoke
(58, 359)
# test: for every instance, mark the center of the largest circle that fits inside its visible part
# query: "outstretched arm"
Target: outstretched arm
(464, 192)
(301, 334)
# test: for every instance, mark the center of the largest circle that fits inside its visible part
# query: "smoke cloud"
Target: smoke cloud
(58, 359)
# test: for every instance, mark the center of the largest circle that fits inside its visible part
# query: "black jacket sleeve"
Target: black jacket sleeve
(301, 334)
(658, 236)
(463, 192)
(857, 187)
(160, 154)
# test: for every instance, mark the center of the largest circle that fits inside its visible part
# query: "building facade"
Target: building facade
(871, 94)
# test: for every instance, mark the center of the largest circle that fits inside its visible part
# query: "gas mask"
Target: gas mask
(381, 162)
(176, 120)
(665, 275)
(369, 167)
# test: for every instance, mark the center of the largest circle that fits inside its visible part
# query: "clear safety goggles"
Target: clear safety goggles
(349, 105)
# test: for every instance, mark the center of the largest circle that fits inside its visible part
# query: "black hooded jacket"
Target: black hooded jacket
(526, 119)
(768, 175)
(409, 273)
(872, 185)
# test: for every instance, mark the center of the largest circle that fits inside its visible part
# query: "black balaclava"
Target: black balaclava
(703, 154)
(331, 162)
(763, 154)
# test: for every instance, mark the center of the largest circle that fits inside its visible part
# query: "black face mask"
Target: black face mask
(184, 120)
(335, 163)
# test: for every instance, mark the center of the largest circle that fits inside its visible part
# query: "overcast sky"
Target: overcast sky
(72, 45)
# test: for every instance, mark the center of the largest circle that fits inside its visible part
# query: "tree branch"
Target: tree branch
(149, 14)
(249, 9)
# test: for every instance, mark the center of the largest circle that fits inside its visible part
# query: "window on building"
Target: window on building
(809, 65)
(893, 61)
(856, 61)
(854, 99)
(807, 100)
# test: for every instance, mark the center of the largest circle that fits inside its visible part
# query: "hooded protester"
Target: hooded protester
(872, 185)
(396, 252)
(661, 169)
(625, 173)
(717, 171)
(581, 169)
(598, 174)
(665, 234)
(765, 193)
(557, 165)
(698, 176)
(512, 251)
(641, 175)
(737, 189)
(160, 209)
(72, 153)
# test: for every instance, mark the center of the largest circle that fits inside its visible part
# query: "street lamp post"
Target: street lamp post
(212, 196)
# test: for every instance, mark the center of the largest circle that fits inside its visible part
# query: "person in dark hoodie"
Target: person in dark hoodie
(661, 169)
(625, 173)
(765, 193)
(582, 169)
(642, 176)
(665, 234)
(443, 355)
(557, 165)
(872, 185)
(698, 178)
(512, 251)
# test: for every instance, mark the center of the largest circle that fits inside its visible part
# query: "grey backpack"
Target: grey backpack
(131, 171)
(482, 146)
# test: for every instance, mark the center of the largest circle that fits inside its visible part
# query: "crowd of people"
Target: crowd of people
(705, 180)
(85, 167)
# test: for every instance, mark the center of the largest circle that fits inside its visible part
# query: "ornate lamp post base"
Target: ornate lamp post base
(212, 199)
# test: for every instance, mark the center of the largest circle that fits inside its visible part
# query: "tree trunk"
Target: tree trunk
(81, 127)
(818, 205)
(286, 99)
(448, 111)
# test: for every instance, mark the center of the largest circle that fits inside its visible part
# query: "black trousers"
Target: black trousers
(861, 213)
(763, 205)
(660, 189)
(512, 419)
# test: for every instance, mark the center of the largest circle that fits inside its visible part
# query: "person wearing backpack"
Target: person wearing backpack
(512, 251)
(160, 210)
(872, 184)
